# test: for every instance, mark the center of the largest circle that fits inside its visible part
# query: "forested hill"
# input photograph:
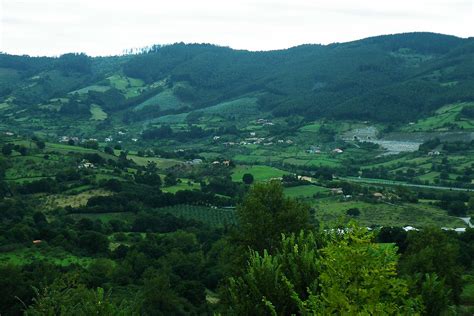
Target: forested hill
(386, 78)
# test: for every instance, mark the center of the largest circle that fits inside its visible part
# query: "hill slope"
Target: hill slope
(392, 78)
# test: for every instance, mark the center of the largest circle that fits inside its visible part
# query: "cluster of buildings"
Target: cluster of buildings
(317, 150)
(254, 140)
(264, 122)
(84, 164)
(225, 163)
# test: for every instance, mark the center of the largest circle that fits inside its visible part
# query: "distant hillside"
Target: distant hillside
(391, 78)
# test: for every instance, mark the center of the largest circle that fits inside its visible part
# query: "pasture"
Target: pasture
(260, 173)
(97, 114)
(304, 191)
(332, 210)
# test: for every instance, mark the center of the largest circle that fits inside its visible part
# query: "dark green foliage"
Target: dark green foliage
(247, 178)
(170, 179)
(434, 251)
(353, 212)
(266, 213)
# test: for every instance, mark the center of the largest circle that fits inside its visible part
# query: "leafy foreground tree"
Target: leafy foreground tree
(345, 274)
(266, 213)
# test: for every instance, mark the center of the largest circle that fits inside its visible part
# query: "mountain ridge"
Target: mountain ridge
(387, 78)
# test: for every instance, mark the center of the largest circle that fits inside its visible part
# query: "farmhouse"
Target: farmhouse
(305, 178)
(37, 241)
(196, 161)
(65, 139)
(378, 195)
(86, 165)
(434, 153)
(337, 191)
(313, 150)
(338, 151)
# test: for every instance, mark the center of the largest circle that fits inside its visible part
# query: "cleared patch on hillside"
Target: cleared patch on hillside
(97, 114)
(95, 88)
(53, 201)
(166, 100)
(445, 118)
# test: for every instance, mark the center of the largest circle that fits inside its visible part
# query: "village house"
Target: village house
(337, 191)
(196, 161)
(305, 178)
(313, 150)
(378, 195)
(86, 165)
(65, 139)
(434, 153)
(338, 151)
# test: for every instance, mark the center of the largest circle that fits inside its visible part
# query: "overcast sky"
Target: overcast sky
(105, 27)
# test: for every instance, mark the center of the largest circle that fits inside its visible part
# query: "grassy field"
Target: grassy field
(304, 191)
(448, 114)
(182, 186)
(97, 114)
(314, 128)
(96, 88)
(166, 100)
(243, 106)
(330, 210)
(260, 173)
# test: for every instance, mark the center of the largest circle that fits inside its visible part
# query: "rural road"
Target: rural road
(389, 182)
(467, 220)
